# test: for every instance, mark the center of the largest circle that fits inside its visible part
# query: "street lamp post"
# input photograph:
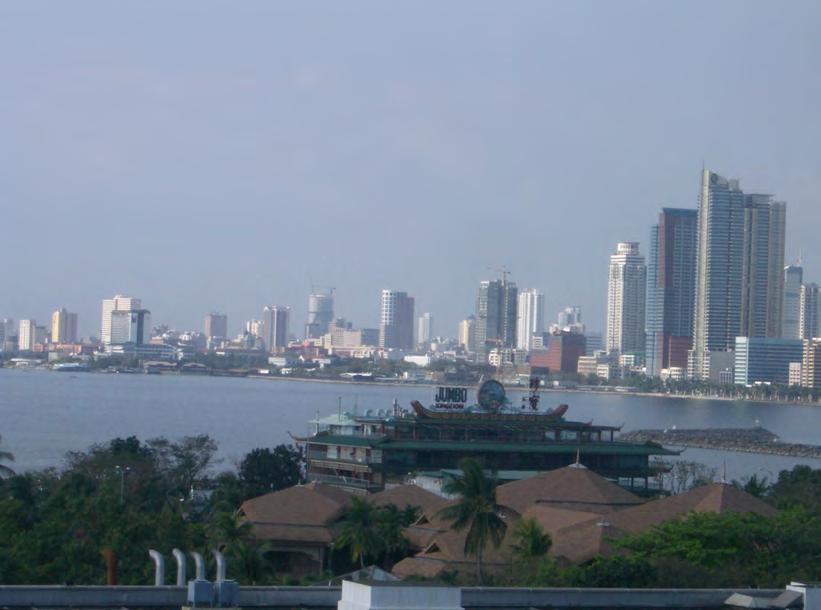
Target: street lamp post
(122, 470)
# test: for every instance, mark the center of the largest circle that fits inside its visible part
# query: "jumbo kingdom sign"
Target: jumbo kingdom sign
(451, 398)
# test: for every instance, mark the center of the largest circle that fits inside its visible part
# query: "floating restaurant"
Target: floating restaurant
(364, 453)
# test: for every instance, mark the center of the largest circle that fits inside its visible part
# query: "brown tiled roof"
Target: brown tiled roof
(409, 495)
(300, 513)
(554, 519)
(571, 487)
(419, 566)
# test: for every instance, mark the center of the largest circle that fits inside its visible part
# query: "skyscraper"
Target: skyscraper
(320, 314)
(466, 334)
(275, 319)
(626, 288)
(130, 326)
(216, 326)
(719, 270)
(424, 329)
(791, 309)
(118, 303)
(63, 326)
(530, 317)
(396, 320)
(671, 280)
(495, 324)
(26, 335)
(808, 314)
(570, 320)
(762, 280)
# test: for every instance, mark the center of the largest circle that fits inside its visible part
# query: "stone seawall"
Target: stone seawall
(749, 440)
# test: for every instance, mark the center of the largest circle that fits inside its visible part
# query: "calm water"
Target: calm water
(45, 414)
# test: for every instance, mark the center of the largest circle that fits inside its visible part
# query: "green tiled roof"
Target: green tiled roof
(492, 447)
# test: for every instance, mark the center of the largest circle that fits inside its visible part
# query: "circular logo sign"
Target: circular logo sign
(491, 395)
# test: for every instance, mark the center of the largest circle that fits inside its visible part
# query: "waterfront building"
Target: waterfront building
(626, 293)
(791, 308)
(26, 335)
(795, 370)
(466, 334)
(765, 359)
(216, 326)
(118, 303)
(671, 280)
(808, 312)
(719, 270)
(320, 314)
(811, 363)
(594, 342)
(369, 451)
(424, 330)
(495, 324)
(132, 326)
(396, 320)
(563, 351)
(530, 317)
(762, 280)
(275, 319)
(6, 333)
(63, 326)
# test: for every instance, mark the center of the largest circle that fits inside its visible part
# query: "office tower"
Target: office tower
(671, 281)
(63, 326)
(424, 331)
(130, 326)
(320, 314)
(118, 303)
(495, 324)
(5, 332)
(216, 326)
(530, 317)
(255, 328)
(719, 270)
(762, 280)
(765, 359)
(594, 342)
(808, 312)
(791, 309)
(396, 320)
(26, 335)
(626, 288)
(564, 349)
(275, 320)
(466, 334)
(811, 364)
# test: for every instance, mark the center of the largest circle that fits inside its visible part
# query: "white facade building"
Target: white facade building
(530, 317)
(424, 329)
(26, 335)
(626, 300)
(118, 303)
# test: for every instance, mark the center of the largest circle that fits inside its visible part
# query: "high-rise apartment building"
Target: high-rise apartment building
(466, 334)
(275, 320)
(762, 279)
(671, 282)
(396, 320)
(320, 314)
(495, 324)
(626, 294)
(765, 359)
(216, 326)
(26, 335)
(719, 270)
(530, 317)
(808, 317)
(811, 364)
(63, 326)
(118, 303)
(791, 309)
(569, 320)
(424, 329)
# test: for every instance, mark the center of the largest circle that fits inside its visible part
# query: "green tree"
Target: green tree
(475, 510)
(753, 485)
(360, 531)
(530, 541)
(799, 487)
(264, 470)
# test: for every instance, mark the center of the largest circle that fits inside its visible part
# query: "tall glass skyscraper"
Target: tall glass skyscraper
(791, 309)
(626, 294)
(671, 279)
(495, 324)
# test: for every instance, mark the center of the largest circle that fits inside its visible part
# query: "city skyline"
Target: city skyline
(99, 119)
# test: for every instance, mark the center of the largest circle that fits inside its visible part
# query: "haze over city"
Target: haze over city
(224, 160)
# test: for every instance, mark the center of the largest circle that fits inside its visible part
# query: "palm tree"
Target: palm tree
(5, 456)
(475, 511)
(531, 541)
(360, 530)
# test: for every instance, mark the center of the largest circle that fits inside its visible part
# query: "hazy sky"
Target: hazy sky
(221, 155)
